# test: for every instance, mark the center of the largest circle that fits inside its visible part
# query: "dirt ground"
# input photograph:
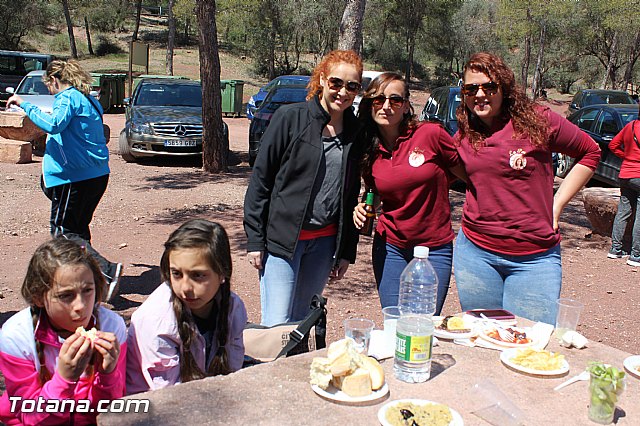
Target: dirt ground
(146, 201)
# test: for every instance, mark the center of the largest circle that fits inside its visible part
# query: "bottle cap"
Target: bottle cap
(421, 252)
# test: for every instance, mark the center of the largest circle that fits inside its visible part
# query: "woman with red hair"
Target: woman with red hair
(304, 186)
(507, 253)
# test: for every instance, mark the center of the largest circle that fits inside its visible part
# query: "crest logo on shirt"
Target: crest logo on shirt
(517, 159)
(416, 158)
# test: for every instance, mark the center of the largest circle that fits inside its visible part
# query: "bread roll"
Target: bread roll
(90, 334)
(375, 371)
(357, 383)
(320, 373)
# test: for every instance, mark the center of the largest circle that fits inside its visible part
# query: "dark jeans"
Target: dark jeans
(72, 208)
(629, 200)
(389, 261)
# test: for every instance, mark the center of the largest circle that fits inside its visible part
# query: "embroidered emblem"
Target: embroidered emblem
(517, 159)
(416, 158)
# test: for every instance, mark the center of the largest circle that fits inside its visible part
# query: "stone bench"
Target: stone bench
(15, 125)
(601, 206)
(13, 151)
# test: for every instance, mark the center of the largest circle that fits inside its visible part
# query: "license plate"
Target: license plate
(180, 142)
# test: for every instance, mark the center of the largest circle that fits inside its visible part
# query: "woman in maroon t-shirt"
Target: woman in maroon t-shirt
(507, 254)
(405, 165)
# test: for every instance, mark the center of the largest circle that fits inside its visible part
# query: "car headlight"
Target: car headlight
(143, 128)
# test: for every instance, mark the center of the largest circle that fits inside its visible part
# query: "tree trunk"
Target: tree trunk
(351, 26)
(72, 38)
(537, 76)
(524, 72)
(215, 147)
(171, 39)
(632, 58)
(409, 69)
(137, 24)
(86, 29)
(610, 63)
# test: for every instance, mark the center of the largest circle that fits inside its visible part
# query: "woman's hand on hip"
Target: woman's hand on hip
(359, 215)
(255, 259)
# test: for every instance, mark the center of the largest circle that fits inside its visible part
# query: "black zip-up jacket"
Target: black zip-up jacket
(283, 175)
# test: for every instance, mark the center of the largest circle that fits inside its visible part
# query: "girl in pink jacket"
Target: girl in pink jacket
(55, 373)
(191, 326)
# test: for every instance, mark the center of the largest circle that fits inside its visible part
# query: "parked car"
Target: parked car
(602, 123)
(283, 80)
(32, 89)
(163, 117)
(280, 95)
(441, 107)
(367, 76)
(15, 65)
(588, 97)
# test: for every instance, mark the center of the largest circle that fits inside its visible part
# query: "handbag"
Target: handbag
(265, 344)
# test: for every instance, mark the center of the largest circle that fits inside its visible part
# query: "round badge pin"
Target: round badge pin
(416, 158)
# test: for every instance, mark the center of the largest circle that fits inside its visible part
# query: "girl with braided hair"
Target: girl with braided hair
(191, 326)
(45, 353)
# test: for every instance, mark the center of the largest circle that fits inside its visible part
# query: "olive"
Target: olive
(406, 414)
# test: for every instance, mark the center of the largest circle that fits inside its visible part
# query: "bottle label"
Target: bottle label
(413, 348)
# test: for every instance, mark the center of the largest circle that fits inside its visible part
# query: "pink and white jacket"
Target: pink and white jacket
(20, 365)
(154, 344)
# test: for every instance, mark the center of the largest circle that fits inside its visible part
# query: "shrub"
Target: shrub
(59, 43)
(106, 46)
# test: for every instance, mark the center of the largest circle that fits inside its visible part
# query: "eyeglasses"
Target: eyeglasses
(490, 88)
(394, 101)
(336, 84)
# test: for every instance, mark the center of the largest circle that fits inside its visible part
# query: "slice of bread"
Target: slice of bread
(358, 383)
(90, 334)
(320, 373)
(375, 371)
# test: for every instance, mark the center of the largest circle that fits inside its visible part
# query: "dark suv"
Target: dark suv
(15, 65)
(588, 97)
(441, 107)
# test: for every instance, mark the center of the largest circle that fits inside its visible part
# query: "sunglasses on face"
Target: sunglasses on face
(490, 88)
(394, 101)
(336, 84)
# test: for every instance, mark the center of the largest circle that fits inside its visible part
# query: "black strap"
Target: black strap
(633, 131)
(317, 310)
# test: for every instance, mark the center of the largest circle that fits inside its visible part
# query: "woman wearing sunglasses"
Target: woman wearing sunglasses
(406, 165)
(304, 186)
(507, 253)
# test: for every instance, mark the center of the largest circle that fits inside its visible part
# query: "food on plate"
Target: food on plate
(90, 334)
(408, 413)
(520, 337)
(454, 325)
(348, 370)
(538, 359)
(573, 338)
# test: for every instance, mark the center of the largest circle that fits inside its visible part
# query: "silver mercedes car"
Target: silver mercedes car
(163, 117)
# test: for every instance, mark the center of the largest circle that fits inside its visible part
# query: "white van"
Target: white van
(367, 76)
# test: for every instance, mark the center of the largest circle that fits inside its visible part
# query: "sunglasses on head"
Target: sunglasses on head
(395, 101)
(490, 88)
(336, 84)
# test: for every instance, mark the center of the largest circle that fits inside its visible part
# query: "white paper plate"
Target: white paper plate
(382, 418)
(631, 364)
(483, 334)
(506, 355)
(337, 395)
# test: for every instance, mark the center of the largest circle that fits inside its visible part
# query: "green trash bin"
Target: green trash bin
(231, 96)
(111, 89)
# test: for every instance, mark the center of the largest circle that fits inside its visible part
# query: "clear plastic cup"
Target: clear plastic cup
(493, 406)
(568, 315)
(390, 317)
(359, 329)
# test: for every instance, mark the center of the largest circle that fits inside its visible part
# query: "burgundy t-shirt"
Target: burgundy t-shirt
(624, 146)
(415, 196)
(509, 200)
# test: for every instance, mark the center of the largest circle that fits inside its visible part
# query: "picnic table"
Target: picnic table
(279, 393)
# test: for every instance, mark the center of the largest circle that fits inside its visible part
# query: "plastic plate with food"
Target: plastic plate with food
(453, 327)
(537, 362)
(491, 334)
(334, 394)
(421, 410)
(632, 365)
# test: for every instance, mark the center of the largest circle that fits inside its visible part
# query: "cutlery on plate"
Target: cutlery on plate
(582, 376)
(504, 334)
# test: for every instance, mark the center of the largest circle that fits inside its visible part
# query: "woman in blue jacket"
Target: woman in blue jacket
(75, 168)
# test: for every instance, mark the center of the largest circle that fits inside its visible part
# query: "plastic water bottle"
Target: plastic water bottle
(414, 331)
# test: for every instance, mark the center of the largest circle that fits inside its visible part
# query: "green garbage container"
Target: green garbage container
(231, 96)
(110, 87)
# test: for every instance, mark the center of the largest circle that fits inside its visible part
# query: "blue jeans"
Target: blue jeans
(389, 261)
(527, 286)
(288, 285)
(629, 200)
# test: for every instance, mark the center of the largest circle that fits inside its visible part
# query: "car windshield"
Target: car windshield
(281, 97)
(32, 85)
(607, 98)
(189, 95)
(628, 117)
(295, 81)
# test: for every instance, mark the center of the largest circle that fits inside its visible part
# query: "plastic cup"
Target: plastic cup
(493, 406)
(390, 315)
(568, 315)
(359, 329)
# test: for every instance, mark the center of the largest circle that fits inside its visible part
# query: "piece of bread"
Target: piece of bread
(90, 334)
(320, 372)
(357, 383)
(343, 364)
(375, 371)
